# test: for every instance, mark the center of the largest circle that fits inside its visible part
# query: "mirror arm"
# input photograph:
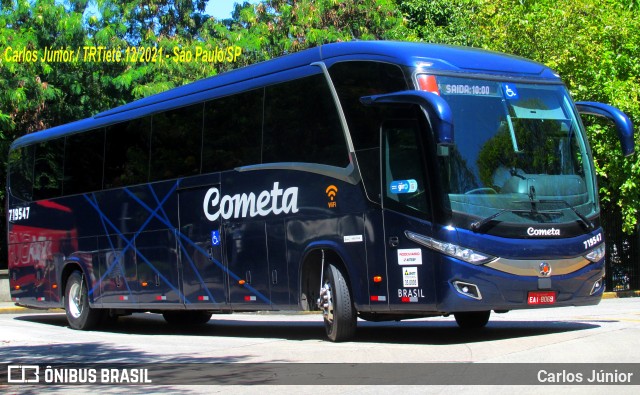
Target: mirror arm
(435, 107)
(624, 126)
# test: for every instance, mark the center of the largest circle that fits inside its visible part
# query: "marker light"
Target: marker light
(596, 254)
(428, 83)
(377, 279)
(144, 283)
(453, 250)
(241, 282)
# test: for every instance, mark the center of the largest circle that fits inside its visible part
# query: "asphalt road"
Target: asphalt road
(608, 333)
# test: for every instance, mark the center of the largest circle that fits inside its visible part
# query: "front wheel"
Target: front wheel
(337, 306)
(472, 319)
(79, 314)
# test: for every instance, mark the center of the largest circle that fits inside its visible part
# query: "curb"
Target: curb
(20, 309)
(621, 294)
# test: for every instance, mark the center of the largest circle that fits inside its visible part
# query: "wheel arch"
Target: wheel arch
(309, 273)
(69, 267)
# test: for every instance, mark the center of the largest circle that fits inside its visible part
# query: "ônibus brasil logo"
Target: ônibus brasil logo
(277, 201)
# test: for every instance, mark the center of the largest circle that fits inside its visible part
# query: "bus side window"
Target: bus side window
(176, 138)
(403, 165)
(354, 79)
(48, 167)
(21, 172)
(232, 131)
(301, 124)
(83, 162)
(127, 153)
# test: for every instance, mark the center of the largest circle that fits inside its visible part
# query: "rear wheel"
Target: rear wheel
(79, 314)
(186, 318)
(472, 319)
(337, 306)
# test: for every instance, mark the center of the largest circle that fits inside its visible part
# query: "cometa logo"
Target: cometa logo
(276, 201)
(543, 232)
(331, 192)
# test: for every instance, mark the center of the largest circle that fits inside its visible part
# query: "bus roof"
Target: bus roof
(432, 57)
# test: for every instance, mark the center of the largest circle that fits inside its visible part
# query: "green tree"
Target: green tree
(442, 21)
(272, 28)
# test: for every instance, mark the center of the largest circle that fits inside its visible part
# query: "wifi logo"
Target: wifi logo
(331, 192)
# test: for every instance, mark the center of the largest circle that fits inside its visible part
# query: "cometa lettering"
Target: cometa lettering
(276, 201)
(543, 232)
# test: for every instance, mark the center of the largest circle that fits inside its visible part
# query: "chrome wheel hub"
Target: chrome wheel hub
(325, 302)
(75, 300)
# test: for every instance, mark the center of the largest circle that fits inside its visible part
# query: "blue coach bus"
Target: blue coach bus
(379, 180)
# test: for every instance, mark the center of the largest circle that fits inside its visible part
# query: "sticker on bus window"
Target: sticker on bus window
(403, 186)
(510, 91)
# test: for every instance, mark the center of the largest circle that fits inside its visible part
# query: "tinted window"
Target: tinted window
(176, 140)
(127, 153)
(21, 172)
(404, 178)
(301, 124)
(84, 153)
(356, 79)
(352, 81)
(232, 131)
(48, 168)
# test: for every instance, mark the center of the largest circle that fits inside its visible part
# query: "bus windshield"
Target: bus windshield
(520, 154)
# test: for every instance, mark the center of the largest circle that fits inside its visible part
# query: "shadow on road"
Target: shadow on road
(424, 332)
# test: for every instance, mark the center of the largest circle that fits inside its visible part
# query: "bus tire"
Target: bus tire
(186, 318)
(472, 319)
(76, 304)
(337, 306)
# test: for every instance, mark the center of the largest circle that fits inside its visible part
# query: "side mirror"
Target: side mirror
(624, 126)
(436, 108)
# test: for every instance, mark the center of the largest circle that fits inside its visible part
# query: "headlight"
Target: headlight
(453, 250)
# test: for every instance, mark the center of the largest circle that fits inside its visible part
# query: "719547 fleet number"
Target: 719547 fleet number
(592, 241)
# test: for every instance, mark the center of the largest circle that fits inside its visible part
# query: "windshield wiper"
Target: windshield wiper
(477, 225)
(585, 221)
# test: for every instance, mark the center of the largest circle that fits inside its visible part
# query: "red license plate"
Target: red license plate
(541, 297)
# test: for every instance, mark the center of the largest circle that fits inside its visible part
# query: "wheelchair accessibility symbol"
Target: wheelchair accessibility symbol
(510, 91)
(215, 238)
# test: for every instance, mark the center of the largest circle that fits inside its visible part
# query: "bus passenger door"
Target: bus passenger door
(406, 207)
(201, 257)
(280, 294)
